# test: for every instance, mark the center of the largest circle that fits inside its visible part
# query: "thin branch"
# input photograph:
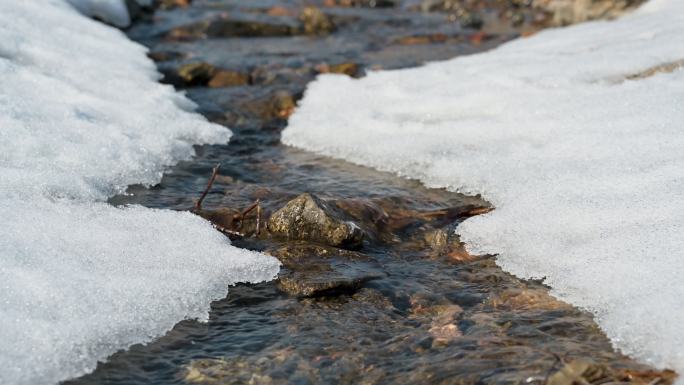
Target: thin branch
(229, 232)
(258, 217)
(214, 172)
(250, 208)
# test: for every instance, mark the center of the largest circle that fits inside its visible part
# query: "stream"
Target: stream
(410, 306)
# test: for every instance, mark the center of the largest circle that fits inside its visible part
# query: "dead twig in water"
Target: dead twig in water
(229, 232)
(241, 216)
(214, 172)
(258, 213)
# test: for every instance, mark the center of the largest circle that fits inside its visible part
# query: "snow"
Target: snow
(82, 116)
(114, 12)
(582, 160)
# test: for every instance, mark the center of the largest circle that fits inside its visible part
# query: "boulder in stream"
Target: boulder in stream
(309, 218)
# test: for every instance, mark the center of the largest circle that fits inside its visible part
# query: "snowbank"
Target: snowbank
(114, 12)
(582, 158)
(81, 117)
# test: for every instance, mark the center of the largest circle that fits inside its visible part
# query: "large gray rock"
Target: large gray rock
(309, 218)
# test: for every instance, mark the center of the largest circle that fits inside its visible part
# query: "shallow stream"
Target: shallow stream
(411, 306)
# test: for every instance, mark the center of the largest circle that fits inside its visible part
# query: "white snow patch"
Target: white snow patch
(81, 117)
(585, 167)
(114, 12)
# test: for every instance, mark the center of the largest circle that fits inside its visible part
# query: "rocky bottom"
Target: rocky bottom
(375, 287)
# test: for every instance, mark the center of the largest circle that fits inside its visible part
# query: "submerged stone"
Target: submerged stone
(315, 22)
(314, 271)
(196, 73)
(225, 27)
(227, 78)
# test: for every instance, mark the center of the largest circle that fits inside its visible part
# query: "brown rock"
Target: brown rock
(309, 218)
(225, 27)
(170, 4)
(315, 22)
(279, 11)
(565, 12)
(196, 73)
(581, 372)
(314, 271)
(349, 69)
(283, 104)
(527, 299)
(189, 32)
(227, 78)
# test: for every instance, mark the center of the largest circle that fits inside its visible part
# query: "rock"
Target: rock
(315, 271)
(369, 216)
(349, 69)
(309, 218)
(283, 104)
(161, 56)
(422, 39)
(437, 239)
(318, 284)
(582, 372)
(273, 367)
(469, 19)
(361, 3)
(277, 105)
(227, 78)
(529, 299)
(565, 12)
(280, 74)
(189, 32)
(279, 11)
(171, 4)
(225, 27)
(196, 73)
(315, 22)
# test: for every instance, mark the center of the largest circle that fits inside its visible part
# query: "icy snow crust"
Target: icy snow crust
(81, 117)
(585, 167)
(114, 12)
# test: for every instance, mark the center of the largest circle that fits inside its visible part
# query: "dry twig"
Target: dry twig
(214, 172)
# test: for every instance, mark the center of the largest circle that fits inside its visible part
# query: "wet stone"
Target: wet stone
(226, 27)
(315, 22)
(582, 372)
(189, 32)
(566, 12)
(361, 3)
(318, 282)
(349, 69)
(315, 271)
(161, 56)
(171, 4)
(227, 78)
(196, 73)
(308, 217)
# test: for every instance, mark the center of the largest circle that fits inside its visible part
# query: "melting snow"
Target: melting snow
(583, 160)
(81, 117)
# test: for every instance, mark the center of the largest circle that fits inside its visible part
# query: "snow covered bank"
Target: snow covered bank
(81, 117)
(114, 12)
(582, 159)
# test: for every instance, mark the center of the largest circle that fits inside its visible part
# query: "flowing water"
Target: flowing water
(411, 306)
